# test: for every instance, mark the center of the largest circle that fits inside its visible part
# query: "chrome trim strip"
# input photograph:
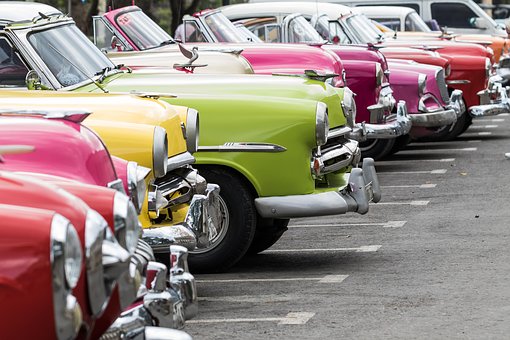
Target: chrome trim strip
(458, 82)
(73, 115)
(339, 132)
(244, 147)
(396, 127)
(433, 119)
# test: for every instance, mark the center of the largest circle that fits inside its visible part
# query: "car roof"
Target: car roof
(13, 11)
(394, 11)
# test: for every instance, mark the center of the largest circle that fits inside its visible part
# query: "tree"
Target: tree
(179, 9)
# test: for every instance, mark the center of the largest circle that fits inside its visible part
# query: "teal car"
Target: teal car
(278, 146)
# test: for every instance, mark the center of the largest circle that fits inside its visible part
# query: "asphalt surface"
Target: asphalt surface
(430, 261)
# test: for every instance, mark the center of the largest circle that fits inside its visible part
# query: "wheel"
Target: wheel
(450, 132)
(268, 233)
(237, 229)
(400, 143)
(376, 148)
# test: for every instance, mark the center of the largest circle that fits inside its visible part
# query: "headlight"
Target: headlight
(125, 222)
(136, 184)
(105, 261)
(160, 152)
(192, 130)
(487, 67)
(379, 75)
(66, 260)
(422, 84)
(321, 124)
(349, 106)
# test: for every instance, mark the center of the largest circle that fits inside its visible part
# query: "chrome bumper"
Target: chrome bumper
(441, 117)
(328, 159)
(198, 228)
(182, 281)
(493, 101)
(137, 323)
(395, 125)
(503, 68)
(363, 187)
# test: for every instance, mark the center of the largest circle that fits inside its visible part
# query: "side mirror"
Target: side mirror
(479, 23)
(115, 44)
(33, 81)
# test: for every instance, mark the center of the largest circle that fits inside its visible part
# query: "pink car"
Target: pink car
(134, 31)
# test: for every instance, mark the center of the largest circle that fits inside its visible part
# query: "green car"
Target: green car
(278, 146)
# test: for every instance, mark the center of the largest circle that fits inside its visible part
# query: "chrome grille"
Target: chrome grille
(441, 83)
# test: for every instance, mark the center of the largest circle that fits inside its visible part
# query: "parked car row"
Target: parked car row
(126, 165)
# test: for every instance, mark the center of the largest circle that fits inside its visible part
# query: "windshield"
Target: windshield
(69, 55)
(142, 31)
(415, 23)
(223, 29)
(364, 30)
(247, 34)
(331, 30)
(300, 31)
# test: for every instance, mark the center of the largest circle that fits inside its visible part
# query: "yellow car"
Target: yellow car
(156, 135)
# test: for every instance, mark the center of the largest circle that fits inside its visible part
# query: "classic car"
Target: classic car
(78, 144)
(149, 132)
(41, 218)
(405, 23)
(130, 23)
(242, 158)
(426, 97)
(470, 64)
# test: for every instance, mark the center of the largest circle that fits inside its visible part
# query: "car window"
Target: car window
(452, 14)
(105, 39)
(12, 68)
(393, 23)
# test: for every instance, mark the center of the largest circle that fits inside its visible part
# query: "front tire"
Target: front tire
(376, 148)
(268, 233)
(236, 232)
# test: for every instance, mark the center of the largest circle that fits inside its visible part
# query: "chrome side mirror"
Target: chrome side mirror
(33, 81)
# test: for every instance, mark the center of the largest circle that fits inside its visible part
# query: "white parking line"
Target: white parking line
(506, 114)
(420, 186)
(437, 171)
(293, 318)
(477, 127)
(398, 161)
(320, 279)
(401, 203)
(437, 150)
(389, 224)
(484, 133)
(362, 249)
(495, 120)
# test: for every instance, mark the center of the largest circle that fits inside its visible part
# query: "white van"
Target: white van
(460, 16)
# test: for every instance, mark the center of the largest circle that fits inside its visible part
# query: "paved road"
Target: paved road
(430, 261)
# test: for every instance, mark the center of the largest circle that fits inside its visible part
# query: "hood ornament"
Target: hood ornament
(192, 56)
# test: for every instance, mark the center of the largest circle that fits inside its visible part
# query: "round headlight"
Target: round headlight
(125, 222)
(192, 130)
(136, 184)
(95, 229)
(321, 124)
(349, 107)
(379, 75)
(65, 237)
(422, 84)
(160, 152)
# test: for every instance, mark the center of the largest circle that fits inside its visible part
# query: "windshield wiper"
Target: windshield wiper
(167, 42)
(103, 74)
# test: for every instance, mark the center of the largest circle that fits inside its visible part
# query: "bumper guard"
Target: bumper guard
(493, 101)
(363, 187)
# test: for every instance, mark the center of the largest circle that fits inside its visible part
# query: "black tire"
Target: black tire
(376, 148)
(400, 143)
(268, 233)
(240, 218)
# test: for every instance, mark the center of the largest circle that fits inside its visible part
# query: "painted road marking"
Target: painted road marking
(325, 279)
(474, 141)
(495, 120)
(437, 150)
(401, 203)
(389, 224)
(362, 249)
(506, 114)
(293, 318)
(437, 171)
(477, 127)
(398, 161)
(420, 186)
(484, 133)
